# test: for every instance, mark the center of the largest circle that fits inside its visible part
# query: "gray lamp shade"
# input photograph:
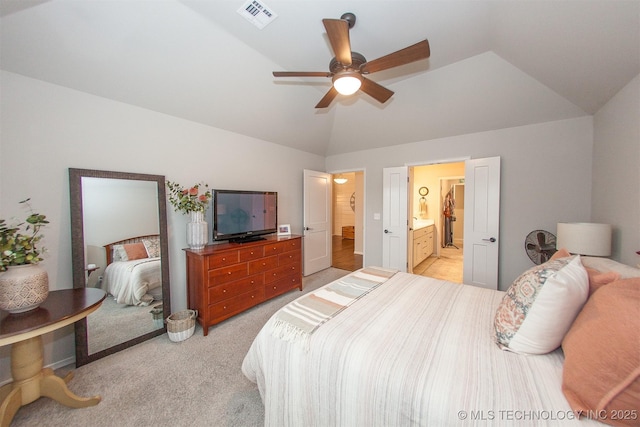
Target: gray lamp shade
(584, 238)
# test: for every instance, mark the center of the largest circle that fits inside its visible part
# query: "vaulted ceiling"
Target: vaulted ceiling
(493, 64)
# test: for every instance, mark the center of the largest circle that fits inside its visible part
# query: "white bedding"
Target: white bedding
(414, 351)
(136, 282)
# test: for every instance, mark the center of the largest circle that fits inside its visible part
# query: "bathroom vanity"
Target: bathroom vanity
(422, 240)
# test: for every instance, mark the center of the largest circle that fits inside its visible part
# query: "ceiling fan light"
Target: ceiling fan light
(347, 83)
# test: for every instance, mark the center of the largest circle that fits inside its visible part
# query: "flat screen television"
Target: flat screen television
(243, 216)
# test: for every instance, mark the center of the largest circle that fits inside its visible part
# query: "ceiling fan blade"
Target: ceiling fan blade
(338, 32)
(376, 91)
(327, 98)
(404, 56)
(301, 74)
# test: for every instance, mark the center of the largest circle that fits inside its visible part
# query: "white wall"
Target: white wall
(616, 171)
(545, 179)
(46, 129)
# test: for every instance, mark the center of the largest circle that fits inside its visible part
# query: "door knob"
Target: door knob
(308, 228)
(387, 231)
(491, 239)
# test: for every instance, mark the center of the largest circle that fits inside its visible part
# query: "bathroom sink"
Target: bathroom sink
(421, 223)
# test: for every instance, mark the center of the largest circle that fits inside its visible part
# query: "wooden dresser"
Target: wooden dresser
(229, 278)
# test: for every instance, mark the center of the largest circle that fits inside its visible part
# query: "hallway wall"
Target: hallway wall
(343, 215)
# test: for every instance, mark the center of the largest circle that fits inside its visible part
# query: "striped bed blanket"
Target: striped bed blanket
(298, 320)
(416, 351)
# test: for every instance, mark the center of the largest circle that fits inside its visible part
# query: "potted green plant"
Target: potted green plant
(24, 285)
(194, 201)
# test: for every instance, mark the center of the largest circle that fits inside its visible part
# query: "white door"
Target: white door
(317, 221)
(481, 222)
(394, 218)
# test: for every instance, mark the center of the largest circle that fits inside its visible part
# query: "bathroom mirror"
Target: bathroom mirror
(119, 244)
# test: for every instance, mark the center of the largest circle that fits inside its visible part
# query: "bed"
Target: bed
(133, 275)
(409, 351)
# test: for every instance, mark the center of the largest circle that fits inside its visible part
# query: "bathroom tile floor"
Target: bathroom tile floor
(447, 267)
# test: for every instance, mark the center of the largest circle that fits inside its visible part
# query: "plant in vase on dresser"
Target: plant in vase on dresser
(23, 284)
(194, 202)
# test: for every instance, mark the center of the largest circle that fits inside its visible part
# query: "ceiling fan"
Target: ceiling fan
(348, 69)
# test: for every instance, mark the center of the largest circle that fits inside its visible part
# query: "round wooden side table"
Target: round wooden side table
(24, 332)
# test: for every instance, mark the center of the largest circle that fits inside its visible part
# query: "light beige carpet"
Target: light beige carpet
(196, 382)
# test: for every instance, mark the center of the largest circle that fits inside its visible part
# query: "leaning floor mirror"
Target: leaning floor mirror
(119, 244)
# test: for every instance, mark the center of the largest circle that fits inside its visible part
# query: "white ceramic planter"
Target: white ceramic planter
(23, 288)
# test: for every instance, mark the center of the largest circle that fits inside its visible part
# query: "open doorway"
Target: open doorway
(348, 220)
(436, 203)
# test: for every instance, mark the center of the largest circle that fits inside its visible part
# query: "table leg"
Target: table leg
(56, 388)
(31, 381)
(11, 402)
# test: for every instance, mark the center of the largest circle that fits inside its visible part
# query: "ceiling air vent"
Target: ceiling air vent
(258, 13)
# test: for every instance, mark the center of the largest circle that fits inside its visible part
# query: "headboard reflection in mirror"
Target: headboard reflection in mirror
(119, 243)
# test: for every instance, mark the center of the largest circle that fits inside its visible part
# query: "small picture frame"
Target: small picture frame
(284, 229)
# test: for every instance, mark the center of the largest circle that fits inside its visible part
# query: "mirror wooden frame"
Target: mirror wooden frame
(78, 257)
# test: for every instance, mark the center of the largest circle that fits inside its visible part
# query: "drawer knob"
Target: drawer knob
(275, 287)
(224, 308)
(275, 274)
(224, 291)
(252, 296)
(229, 272)
(264, 263)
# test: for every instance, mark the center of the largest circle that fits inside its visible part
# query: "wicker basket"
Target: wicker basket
(181, 325)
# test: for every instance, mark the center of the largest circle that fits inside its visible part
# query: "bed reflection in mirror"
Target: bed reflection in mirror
(119, 243)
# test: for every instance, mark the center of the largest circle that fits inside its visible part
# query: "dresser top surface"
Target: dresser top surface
(210, 249)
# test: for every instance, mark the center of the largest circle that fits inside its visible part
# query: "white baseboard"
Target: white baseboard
(61, 363)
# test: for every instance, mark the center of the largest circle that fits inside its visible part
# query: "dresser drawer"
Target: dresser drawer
(222, 259)
(263, 264)
(280, 272)
(235, 305)
(249, 254)
(291, 245)
(283, 285)
(227, 274)
(290, 257)
(275, 248)
(232, 289)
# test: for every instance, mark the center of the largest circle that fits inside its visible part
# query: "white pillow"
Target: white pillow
(606, 264)
(540, 306)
